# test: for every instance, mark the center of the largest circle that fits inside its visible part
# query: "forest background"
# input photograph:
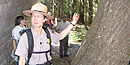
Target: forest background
(86, 8)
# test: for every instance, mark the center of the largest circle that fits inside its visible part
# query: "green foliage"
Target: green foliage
(73, 35)
(67, 7)
(42, 1)
(79, 35)
(82, 32)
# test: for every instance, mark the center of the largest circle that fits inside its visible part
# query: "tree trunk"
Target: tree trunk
(62, 8)
(39, 1)
(48, 4)
(53, 9)
(90, 11)
(83, 9)
(108, 39)
(86, 9)
(74, 5)
(69, 11)
(59, 15)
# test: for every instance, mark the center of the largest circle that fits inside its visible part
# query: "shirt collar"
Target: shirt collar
(63, 22)
(42, 32)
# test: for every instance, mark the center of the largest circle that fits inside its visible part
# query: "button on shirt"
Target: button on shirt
(40, 44)
(62, 25)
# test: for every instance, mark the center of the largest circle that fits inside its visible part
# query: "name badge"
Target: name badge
(48, 41)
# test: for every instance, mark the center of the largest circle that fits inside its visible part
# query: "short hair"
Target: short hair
(64, 16)
(18, 20)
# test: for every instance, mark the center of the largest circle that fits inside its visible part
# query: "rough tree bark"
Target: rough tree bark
(108, 39)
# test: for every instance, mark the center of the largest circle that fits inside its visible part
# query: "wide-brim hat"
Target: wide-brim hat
(38, 8)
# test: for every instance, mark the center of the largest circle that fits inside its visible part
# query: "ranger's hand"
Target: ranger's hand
(75, 18)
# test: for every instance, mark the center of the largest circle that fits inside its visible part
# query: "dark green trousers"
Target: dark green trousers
(64, 45)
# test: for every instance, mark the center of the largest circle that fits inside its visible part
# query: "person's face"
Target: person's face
(27, 22)
(22, 22)
(37, 20)
(64, 19)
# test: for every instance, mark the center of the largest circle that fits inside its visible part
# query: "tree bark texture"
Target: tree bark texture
(108, 39)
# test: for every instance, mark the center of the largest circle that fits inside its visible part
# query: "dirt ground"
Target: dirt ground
(56, 60)
(62, 61)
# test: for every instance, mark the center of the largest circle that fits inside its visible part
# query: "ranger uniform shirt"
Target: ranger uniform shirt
(40, 44)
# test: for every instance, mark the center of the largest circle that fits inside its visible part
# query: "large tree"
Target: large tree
(108, 39)
(48, 4)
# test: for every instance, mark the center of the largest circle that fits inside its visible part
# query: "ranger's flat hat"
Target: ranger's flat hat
(38, 8)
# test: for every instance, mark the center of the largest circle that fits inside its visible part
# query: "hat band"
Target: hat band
(39, 11)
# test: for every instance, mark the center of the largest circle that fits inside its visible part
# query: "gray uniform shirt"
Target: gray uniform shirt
(22, 49)
(62, 25)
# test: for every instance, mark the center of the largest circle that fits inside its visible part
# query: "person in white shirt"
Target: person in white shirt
(64, 42)
(19, 27)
